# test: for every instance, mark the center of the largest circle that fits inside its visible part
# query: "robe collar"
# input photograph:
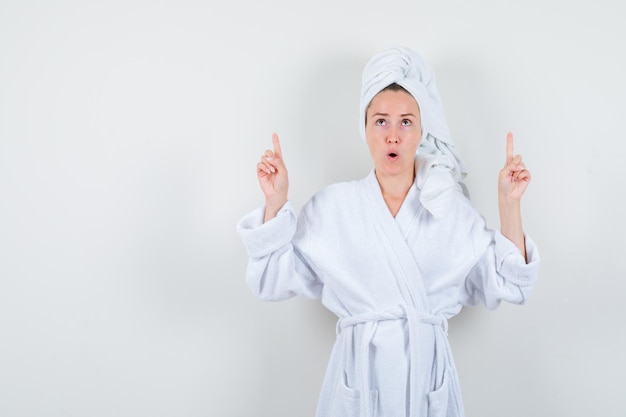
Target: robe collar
(434, 187)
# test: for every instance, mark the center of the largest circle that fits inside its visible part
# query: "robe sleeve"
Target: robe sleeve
(502, 274)
(275, 270)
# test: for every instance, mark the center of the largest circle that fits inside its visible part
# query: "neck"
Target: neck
(395, 189)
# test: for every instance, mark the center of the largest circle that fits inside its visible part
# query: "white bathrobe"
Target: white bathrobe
(393, 283)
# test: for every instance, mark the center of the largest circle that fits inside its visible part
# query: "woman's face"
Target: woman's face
(393, 132)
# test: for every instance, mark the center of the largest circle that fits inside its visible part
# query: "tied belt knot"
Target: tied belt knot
(418, 371)
(397, 313)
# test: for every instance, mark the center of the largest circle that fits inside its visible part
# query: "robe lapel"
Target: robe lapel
(392, 232)
(407, 216)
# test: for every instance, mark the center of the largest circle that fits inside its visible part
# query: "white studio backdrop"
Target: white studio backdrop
(129, 134)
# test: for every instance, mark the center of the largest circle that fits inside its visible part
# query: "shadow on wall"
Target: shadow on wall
(478, 110)
(329, 148)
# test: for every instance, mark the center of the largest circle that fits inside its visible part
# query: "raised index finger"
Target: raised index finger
(277, 151)
(509, 146)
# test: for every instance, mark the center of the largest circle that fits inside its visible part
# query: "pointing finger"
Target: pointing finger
(509, 146)
(277, 150)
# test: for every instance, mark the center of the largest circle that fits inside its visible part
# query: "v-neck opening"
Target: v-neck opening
(407, 213)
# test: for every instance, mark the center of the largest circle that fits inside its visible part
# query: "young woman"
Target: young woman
(393, 255)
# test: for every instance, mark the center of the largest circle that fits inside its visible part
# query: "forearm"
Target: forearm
(511, 223)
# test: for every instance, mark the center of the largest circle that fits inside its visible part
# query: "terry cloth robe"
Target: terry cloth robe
(393, 283)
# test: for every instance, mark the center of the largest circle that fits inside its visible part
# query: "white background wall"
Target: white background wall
(129, 133)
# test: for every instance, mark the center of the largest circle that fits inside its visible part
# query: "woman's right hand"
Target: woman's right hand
(273, 179)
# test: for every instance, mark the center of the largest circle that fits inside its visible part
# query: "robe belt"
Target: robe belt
(418, 371)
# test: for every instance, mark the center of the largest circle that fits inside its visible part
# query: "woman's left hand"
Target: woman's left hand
(514, 177)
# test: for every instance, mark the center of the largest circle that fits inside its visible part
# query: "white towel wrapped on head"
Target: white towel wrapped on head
(403, 66)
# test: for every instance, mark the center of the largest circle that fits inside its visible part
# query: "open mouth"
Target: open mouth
(392, 155)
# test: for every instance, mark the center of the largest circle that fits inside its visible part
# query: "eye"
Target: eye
(406, 122)
(380, 122)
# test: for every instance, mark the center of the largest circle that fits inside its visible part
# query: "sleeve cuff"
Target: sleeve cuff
(511, 264)
(261, 239)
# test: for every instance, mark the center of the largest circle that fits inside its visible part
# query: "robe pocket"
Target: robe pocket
(439, 400)
(347, 402)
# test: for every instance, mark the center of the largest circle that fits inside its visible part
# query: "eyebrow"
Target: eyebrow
(387, 114)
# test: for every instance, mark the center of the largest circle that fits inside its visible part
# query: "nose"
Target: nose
(393, 136)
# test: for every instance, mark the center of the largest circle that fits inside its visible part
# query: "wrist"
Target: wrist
(273, 206)
(507, 203)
